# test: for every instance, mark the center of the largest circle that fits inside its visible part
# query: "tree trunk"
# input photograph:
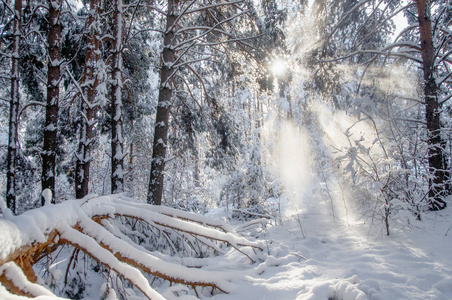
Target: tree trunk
(117, 139)
(53, 91)
(14, 111)
(155, 191)
(435, 154)
(83, 156)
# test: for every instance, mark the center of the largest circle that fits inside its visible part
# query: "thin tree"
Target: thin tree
(155, 192)
(117, 138)
(432, 108)
(52, 104)
(88, 105)
(14, 109)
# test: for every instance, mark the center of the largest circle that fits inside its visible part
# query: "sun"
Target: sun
(278, 66)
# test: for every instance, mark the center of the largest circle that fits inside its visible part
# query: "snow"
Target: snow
(341, 261)
(11, 270)
(35, 225)
(10, 238)
(310, 254)
(47, 195)
(108, 259)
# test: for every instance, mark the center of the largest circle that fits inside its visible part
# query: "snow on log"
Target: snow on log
(101, 228)
(14, 279)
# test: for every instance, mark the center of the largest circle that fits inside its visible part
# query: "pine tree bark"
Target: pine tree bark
(14, 110)
(52, 108)
(437, 176)
(155, 192)
(83, 157)
(117, 139)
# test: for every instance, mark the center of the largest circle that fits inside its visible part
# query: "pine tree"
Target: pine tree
(117, 138)
(14, 109)
(437, 184)
(88, 102)
(155, 192)
(52, 105)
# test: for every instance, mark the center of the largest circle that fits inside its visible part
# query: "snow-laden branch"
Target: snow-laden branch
(91, 247)
(390, 17)
(212, 29)
(346, 16)
(79, 88)
(190, 62)
(205, 7)
(13, 279)
(32, 103)
(5, 4)
(181, 14)
(101, 228)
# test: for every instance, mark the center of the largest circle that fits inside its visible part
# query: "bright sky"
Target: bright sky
(400, 22)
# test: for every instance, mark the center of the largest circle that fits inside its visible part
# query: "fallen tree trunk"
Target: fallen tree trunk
(99, 227)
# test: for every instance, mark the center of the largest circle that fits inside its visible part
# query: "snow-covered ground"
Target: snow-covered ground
(311, 255)
(316, 257)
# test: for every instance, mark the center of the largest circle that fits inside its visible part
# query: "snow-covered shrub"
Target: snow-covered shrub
(386, 180)
(248, 188)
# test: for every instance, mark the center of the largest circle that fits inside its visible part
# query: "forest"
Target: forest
(225, 149)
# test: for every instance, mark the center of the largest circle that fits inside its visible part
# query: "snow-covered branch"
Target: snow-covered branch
(99, 228)
(376, 52)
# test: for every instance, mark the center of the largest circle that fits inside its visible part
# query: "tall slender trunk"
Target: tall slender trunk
(435, 153)
(155, 191)
(117, 139)
(53, 91)
(88, 105)
(14, 111)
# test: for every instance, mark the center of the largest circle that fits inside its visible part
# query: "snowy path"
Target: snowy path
(342, 262)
